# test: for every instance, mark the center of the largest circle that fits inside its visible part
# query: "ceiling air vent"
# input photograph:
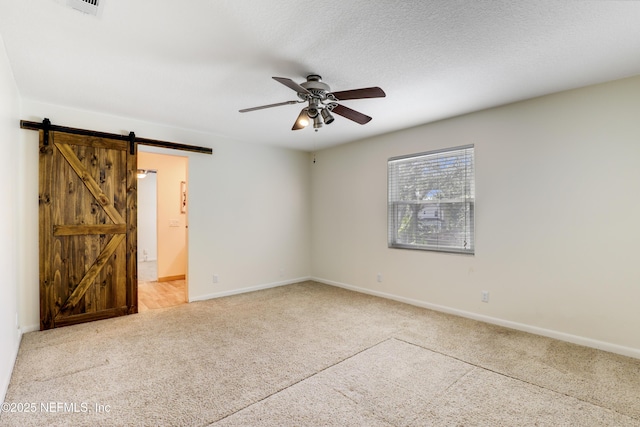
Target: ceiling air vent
(91, 7)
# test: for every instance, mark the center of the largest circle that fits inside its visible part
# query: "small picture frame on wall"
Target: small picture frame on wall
(183, 197)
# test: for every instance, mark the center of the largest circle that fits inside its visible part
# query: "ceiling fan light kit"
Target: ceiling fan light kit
(302, 120)
(326, 116)
(321, 102)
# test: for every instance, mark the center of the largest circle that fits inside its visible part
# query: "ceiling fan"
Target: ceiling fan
(321, 102)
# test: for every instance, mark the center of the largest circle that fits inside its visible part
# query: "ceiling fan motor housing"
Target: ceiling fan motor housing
(319, 93)
(315, 85)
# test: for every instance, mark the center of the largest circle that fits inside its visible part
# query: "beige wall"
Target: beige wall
(10, 201)
(171, 222)
(557, 208)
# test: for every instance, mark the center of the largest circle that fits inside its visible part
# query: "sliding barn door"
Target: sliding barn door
(87, 229)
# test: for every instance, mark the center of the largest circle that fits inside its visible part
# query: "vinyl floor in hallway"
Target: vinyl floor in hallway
(153, 294)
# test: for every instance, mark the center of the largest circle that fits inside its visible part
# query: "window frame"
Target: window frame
(394, 204)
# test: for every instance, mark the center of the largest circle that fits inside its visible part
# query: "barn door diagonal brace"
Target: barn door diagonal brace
(92, 273)
(90, 183)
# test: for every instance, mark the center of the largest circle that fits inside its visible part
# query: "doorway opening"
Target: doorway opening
(162, 231)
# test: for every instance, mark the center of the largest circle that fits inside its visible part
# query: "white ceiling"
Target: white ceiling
(194, 64)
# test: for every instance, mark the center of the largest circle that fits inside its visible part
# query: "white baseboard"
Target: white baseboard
(562, 336)
(27, 329)
(220, 294)
(575, 339)
(248, 289)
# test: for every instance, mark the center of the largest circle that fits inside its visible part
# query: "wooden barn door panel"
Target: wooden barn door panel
(87, 229)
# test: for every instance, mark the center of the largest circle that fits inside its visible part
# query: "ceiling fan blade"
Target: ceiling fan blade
(350, 114)
(291, 84)
(368, 92)
(246, 110)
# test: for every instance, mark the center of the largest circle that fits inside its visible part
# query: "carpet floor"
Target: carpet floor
(313, 355)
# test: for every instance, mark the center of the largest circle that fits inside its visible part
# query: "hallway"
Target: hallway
(153, 294)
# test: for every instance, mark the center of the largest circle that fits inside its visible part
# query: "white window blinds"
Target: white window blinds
(431, 200)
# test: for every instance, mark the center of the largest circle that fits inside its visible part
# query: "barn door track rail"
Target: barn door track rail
(47, 127)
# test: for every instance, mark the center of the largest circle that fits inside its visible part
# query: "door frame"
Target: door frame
(173, 193)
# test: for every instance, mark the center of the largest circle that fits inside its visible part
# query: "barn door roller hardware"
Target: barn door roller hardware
(132, 143)
(47, 127)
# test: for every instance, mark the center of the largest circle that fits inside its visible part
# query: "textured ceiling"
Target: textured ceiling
(194, 64)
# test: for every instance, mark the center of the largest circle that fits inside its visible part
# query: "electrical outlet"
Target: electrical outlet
(215, 278)
(379, 277)
(484, 296)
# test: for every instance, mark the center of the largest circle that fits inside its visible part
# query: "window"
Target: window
(431, 201)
